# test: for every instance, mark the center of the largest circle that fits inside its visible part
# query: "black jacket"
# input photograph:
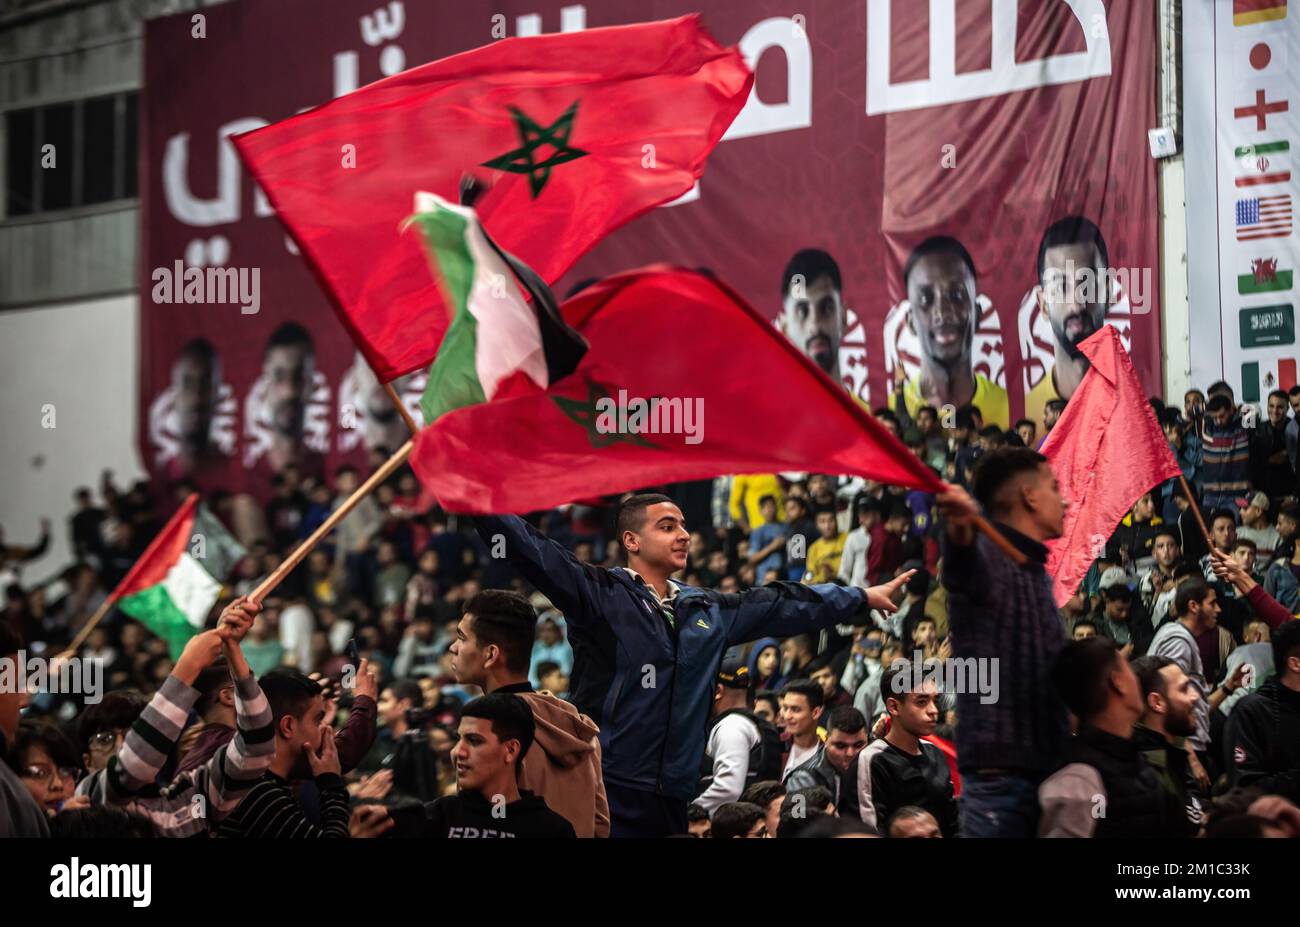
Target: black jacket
(893, 779)
(1262, 740)
(469, 815)
(1174, 772)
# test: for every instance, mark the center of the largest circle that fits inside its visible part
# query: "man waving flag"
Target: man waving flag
(1107, 450)
(574, 135)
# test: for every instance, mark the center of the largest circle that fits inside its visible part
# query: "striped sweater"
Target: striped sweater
(271, 810)
(195, 801)
(1225, 474)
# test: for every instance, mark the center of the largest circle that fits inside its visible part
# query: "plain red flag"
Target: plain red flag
(1106, 450)
(755, 405)
(574, 135)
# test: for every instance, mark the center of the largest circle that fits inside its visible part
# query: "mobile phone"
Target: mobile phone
(352, 653)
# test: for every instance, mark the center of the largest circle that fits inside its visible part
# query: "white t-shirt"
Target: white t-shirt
(798, 756)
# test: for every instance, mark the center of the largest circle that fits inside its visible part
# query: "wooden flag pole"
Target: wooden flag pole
(279, 573)
(96, 618)
(401, 409)
(998, 538)
(1196, 510)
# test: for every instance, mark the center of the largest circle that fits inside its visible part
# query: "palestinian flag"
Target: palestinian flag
(572, 134)
(496, 342)
(173, 586)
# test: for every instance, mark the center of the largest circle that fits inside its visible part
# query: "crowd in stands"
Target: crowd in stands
(422, 674)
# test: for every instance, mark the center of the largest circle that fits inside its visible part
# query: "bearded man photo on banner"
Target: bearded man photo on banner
(1073, 292)
(941, 285)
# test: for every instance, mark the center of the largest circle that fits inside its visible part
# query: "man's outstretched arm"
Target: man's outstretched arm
(786, 609)
(545, 563)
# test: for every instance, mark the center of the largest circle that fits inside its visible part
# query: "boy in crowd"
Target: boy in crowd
(496, 732)
(900, 769)
(195, 801)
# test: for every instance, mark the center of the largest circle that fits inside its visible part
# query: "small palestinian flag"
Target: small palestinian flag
(496, 343)
(173, 586)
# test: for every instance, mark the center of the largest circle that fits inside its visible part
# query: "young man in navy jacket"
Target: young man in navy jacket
(646, 649)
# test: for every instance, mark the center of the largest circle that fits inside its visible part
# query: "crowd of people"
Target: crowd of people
(762, 655)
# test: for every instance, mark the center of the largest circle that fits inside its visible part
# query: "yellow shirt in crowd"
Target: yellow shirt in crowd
(989, 398)
(748, 490)
(823, 563)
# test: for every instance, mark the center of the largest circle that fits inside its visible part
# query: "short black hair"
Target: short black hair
(1280, 393)
(1222, 513)
(1286, 644)
(897, 681)
(811, 802)
(99, 821)
(767, 695)
(735, 819)
(289, 691)
(1072, 230)
(808, 689)
(906, 813)
(631, 513)
(1218, 402)
(211, 681)
(999, 467)
(116, 711)
(1080, 674)
(41, 732)
(1056, 405)
(846, 718)
(939, 244)
(1169, 530)
(510, 718)
(290, 335)
(1119, 592)
(1195, 589)
(10, 640)
(507, 620)
(762, 793)
(1221, 387)
(1147, 669)
(408, 690)
(1027, 421)
(1247, 543)
(695, 813)
(810, 263)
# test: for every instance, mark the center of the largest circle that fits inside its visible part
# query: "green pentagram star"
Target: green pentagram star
(583, 411)
(532, 137)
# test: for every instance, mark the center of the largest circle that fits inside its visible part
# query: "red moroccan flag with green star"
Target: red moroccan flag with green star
(572, 134)
(681, 380)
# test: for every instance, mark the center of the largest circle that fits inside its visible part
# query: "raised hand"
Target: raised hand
(882, 597)
(369, 821)
(366, 682)
(326, 760)
(200, 652)
(237, 617)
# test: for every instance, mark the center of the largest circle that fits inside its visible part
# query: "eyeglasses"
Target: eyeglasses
(64, 773)
(105, 740)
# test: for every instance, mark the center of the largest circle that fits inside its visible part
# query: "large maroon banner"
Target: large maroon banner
(957, 191)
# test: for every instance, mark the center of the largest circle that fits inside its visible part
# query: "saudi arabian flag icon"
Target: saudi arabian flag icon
(173, 586)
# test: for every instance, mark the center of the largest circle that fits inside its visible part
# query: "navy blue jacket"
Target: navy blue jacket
(647, 686)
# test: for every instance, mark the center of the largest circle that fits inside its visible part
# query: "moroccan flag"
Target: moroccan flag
(1106, 450)
(494, 333)
(681, 381)
(173, 586)
(573, 134)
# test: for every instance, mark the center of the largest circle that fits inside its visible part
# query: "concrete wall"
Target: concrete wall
(73, 366)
